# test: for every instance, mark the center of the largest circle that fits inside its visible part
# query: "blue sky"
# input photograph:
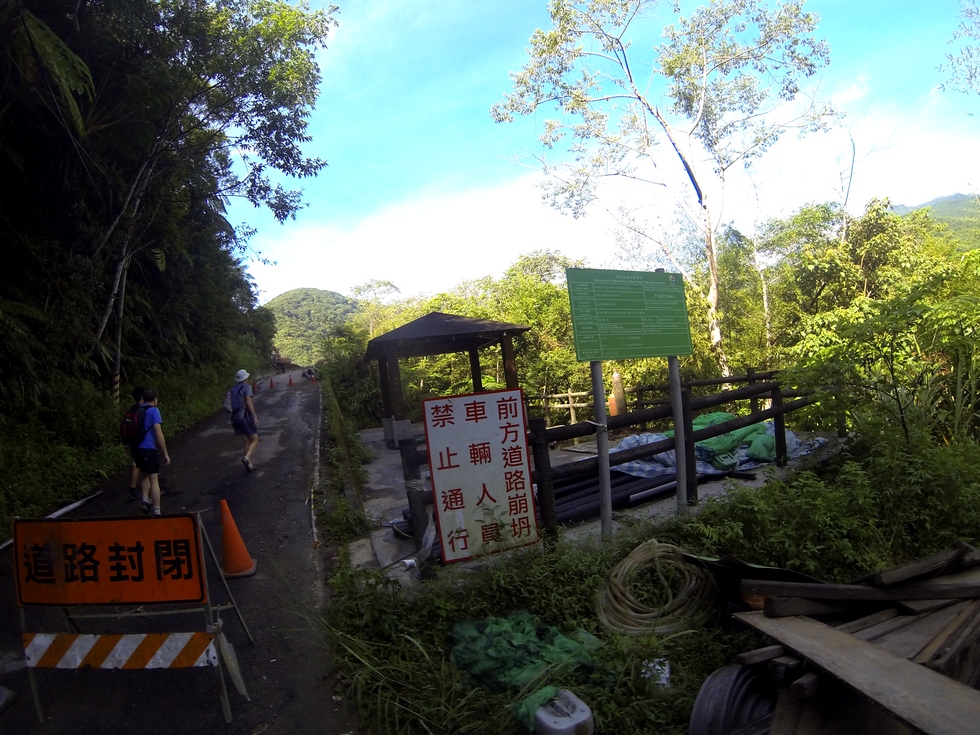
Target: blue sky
(423, 189)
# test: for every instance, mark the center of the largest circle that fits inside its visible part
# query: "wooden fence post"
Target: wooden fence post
(543, 479)
(779, 427)
(753, 401)
(691, 461)
(640, 405)
(571, 407)
(619, 395)
(547, 406)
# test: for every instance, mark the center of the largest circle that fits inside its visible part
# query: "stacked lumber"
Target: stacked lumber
(897, 651)
(927, 611)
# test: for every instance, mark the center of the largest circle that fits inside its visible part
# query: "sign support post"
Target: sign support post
(680, 453)
(602, 450)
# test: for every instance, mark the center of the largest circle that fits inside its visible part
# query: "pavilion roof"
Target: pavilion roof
(437, 334)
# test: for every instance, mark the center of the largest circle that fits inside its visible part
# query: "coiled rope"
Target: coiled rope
(687, 608)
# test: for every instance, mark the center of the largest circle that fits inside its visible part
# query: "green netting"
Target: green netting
(518, 653)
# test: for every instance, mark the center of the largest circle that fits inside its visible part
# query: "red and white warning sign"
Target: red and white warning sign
(481, 473)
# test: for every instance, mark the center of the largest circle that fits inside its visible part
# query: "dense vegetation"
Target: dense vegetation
(119, 120)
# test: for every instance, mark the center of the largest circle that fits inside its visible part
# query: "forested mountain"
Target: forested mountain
(305, 318)
(960, 212)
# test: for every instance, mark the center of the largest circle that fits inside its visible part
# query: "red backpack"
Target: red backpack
(132, 429)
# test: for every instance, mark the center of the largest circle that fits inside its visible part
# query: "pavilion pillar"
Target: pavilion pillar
(385, 387)
(510, 361)
(399, 409)
(475, 370)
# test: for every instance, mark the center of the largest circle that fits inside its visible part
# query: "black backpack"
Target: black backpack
(132, 429)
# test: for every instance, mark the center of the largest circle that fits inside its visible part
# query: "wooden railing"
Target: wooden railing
(542, 437)
(578, 405)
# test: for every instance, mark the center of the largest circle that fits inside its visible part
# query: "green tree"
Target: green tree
(137, 183)
(963, 65)
(883, 313)
(717, 90)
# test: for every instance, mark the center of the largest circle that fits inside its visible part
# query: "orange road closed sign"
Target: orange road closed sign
(108, 561)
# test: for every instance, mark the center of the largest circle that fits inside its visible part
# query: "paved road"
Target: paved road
(285, 670)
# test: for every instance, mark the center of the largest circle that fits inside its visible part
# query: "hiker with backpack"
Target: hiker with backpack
(243, 418)
(134, 473)
(144, 435)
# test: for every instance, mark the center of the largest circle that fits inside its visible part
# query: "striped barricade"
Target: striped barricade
(124, 651)
(103, 562)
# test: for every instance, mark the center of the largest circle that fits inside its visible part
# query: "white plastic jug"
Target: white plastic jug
(566, 714)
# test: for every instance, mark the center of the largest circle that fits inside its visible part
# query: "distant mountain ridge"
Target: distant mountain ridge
(954, 202)
(305, 318)
(961, 212)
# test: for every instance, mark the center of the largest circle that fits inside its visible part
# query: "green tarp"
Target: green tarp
(518, 653)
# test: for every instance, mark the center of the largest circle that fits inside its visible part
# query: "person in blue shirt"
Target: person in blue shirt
(244, 420)
(146, 456)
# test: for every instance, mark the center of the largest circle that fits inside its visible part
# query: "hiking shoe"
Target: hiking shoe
(134, 493)
(147, 508)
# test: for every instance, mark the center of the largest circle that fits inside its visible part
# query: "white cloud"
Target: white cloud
(430, 244)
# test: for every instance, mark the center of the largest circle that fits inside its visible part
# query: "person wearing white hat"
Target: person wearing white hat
(243, 418)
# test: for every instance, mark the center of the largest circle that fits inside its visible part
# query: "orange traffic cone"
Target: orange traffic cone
(272, 383)
(235, 560)
(290, 381)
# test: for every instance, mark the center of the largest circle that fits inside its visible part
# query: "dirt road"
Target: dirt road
(286, 671)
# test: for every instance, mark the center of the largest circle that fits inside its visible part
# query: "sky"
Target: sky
(423, 189)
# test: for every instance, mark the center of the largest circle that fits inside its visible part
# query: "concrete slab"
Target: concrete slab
(384, 498)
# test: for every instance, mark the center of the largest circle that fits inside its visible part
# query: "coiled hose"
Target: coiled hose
(685, 609)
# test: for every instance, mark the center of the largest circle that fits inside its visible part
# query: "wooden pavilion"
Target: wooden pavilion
(437, 334)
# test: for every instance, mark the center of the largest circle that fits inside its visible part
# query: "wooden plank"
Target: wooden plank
(942, 636)
(781, 607)
(806, 686)
(868, 620)
(883, 628)
(759, 655)
(908, 641)
(965, 576)
(934, 564)
(787, 714)
(964, 636)
(917, 696)
(915, 607)
(920, 591)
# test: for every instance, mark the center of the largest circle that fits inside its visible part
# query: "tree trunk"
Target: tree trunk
(714, 322)
(117, 357)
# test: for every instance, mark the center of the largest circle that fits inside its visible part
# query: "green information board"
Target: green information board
(623, 314)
